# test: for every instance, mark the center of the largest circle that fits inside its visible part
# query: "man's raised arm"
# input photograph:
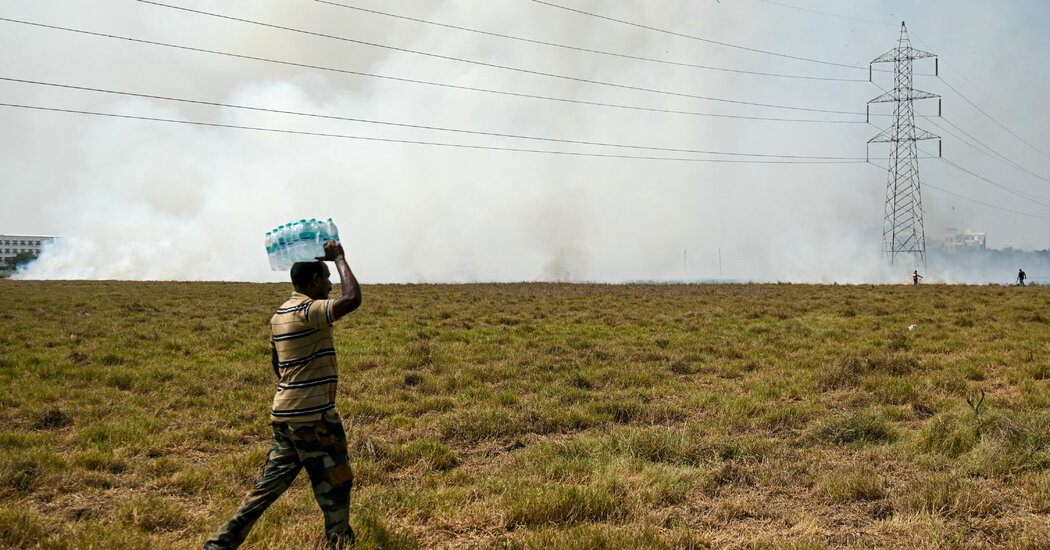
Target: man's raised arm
(351, 297)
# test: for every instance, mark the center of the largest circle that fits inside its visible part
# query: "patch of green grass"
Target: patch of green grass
(671, 446)
(942, 494)
(993, 442)
(565, 505)
(736, 509)
(29, 470)
(587, 537)
(21, 528)
(432, 454)
(374, 534)
(856, 428)
(666, 485)
(856, 483)
(853, 369)
(154, 513)
(475, 425)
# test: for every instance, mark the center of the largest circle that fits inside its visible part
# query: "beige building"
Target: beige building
(955, 240)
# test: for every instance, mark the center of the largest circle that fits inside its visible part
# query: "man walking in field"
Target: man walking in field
(307, 431)
(915, 277)
(1020, 276)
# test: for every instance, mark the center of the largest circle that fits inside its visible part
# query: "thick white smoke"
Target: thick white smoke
(137, 199)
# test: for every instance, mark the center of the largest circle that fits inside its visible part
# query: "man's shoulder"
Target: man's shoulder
(294, 302)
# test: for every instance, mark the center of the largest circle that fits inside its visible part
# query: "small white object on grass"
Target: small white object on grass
(912, 327)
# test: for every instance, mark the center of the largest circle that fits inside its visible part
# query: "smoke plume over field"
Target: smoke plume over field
(140, 199)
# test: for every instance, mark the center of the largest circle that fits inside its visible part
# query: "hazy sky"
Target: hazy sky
(141, 199)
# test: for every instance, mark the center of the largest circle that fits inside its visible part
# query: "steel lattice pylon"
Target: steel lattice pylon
(903, 232)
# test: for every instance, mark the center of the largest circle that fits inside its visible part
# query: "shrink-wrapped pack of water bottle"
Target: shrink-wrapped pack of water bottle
(301, 241)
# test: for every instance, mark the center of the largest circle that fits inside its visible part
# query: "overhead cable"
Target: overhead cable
(588, 50)
(987, 149)
(995, 120)
(1006, 188)
(418, 142)
(988, 204)
(989, 96)
(827, 13)
(979, 109)
(699, 38)
(983, 148)
(1027, 196)
(971, 199)
(498, 66)
(415, 126)
(426, 82)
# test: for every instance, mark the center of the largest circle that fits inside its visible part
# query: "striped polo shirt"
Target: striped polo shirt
(301, 331)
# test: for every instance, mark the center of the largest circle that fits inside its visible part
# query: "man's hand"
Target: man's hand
(332, 250)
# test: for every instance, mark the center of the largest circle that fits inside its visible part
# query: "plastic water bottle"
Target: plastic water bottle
(278, 249)
(331, 230)
(282, 247)
(299, 234)
(271, 250)
(316, 244)
(286, 246)
(303, 242)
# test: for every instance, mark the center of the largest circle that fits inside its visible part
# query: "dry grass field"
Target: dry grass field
(135, 415)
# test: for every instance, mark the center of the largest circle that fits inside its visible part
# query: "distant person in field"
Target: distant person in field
(1020, 276)
(307, 430)
(915, 277)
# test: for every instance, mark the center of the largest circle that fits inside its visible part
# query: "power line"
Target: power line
(426, 82)
(974, 86)
(994, 183)
(819, 12)
(988, 204)
(698, 38)
(993, 119)
(497, 66)
(581, 49)
(961, 75)
(978, 201)
(987, 150)
(975, 106)
(982, 111)
(414, 126)
(994, 154)
(418, 142)
(827, 13)
(999, 185)
(978, 145)
(1027, 196)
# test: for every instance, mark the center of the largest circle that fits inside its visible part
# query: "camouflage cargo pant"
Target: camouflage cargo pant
(320, 447)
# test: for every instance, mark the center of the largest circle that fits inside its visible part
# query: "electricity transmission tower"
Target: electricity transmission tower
(902, 231)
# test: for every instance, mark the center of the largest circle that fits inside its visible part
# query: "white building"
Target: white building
(13, 245)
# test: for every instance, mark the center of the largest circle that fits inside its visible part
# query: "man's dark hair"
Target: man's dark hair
(303, 273)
